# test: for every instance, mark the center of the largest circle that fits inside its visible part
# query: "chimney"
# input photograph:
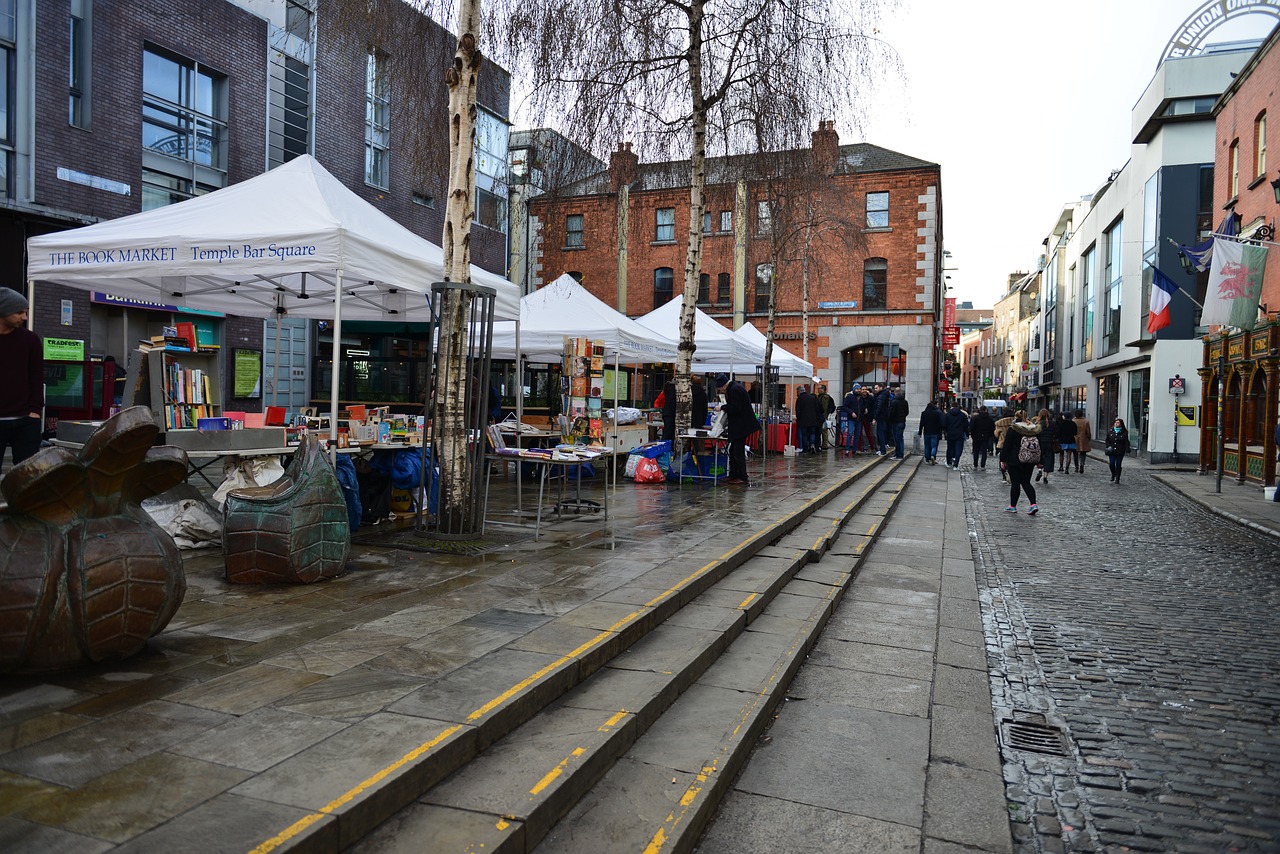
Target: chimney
(624, 167)
(826, 148)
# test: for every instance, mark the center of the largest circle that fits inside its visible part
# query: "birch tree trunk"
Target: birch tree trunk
(451, 370)
(697, 204)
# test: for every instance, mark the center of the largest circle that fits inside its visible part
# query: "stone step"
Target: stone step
(742, 637)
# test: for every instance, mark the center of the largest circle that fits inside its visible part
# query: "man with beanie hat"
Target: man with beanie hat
(741, 422)
(22, 392)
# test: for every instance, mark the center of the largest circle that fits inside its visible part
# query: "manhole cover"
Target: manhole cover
(1034, 737)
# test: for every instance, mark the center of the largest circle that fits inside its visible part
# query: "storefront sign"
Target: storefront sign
(950, 336)
(74, 177)
(130, 302)
(1235, 350)
(949, 311)
(64, 349)
(794, 336)
(1259, 346)
(849, 303)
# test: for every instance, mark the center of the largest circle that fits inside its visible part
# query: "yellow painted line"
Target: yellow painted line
(613, 721)
(502, 824)
(347, 796)
(306, 821)
(745, 602)
(550, 776)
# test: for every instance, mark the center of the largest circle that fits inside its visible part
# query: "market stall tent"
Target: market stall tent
(715, 344)
(293, 238)
(565, 308)
(787, 363)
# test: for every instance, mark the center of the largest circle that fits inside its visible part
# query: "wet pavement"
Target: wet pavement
(1134, 621)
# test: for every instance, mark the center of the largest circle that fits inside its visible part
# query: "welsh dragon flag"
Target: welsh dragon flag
(1235, 284)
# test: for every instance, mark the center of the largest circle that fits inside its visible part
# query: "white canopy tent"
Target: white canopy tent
(291, 239)
(715, 343)
(565, 308)
(787, 363)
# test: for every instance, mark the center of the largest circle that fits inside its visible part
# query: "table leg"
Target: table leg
(542, 482)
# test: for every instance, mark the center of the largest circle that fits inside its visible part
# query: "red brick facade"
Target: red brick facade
(909, 244)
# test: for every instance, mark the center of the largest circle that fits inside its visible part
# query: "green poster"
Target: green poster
(248, 373)
(64, 349)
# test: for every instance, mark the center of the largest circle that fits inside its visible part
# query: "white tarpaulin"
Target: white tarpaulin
(716, 344)
(287, 237)
(564, 307)
(788, 364)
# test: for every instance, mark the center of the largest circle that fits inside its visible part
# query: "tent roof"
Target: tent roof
(715, 343)
(282, 236)
(564, 307)
(788, 363)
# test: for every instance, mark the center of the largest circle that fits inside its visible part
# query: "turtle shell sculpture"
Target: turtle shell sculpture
(293, 530)
(85, 574)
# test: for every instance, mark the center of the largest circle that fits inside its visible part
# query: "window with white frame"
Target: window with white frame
(663, 286)
(573, 231)
(877, 210)
(1235, 168)
(492, 137)
(706, 222)
(875, 281)
(764, 286)
(764, 218)
(726, 221)
(184, 129)
(377, 121)
(1114, 279)
(1260, 145)
(664, 225)
(1086, 304)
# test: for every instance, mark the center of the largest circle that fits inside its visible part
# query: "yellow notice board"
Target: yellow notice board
(1187, 416)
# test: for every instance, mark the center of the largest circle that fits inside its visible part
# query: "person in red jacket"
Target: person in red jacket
(22, 392)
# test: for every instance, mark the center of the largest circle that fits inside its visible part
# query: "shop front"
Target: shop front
(1247, 365)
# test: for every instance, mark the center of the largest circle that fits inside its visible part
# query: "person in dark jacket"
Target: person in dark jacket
(931, 430)
(956, 425)
(1066, 442)
(697, 413)
(1117, 445)
(868, 419)
(851, 409)
(667, 403)
(22, 392)
(982, 430)
(899, 409)
(1019, 472)
(808, 419)
(827, 405)
(741, 422)
(881, 417)
(1048, 444)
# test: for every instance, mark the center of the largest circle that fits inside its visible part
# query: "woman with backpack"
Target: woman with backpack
(1048, 445)
(1019, 457)
(1117, 445)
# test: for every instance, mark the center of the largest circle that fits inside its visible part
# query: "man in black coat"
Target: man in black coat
(740, 422)
(880, 401)
(808, 419)
(898, 411)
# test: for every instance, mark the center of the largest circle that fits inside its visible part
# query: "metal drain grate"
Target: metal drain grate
(1034, 737)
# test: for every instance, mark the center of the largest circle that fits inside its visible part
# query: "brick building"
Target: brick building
(1247, 185)
(872, 219)
(115, 108)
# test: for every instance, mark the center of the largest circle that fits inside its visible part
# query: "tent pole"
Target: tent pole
(519, 419)
(275, 384)
(333, 378)
(31, 304)
(617, 381)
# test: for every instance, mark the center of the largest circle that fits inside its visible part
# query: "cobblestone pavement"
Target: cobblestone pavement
(1137, 636)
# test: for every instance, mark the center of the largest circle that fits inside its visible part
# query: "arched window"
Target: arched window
(867, 363)
(875, 281)
(662, 284)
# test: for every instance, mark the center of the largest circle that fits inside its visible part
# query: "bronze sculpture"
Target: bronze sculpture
(85, 574)
(294, 530)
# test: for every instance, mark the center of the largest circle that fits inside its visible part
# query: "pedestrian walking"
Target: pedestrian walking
(1066, 442)
(982, 430)
(882, 397)
(931, 430)
(1019, 457)
(868, 418)
(956, 426)
(808, 419)
(899, 409)
(740, 424)
(1048, 444)
(1001, 429)
(1084, 440)
(827, 430)
(851, 408)
(1117, 445)
(22, 392)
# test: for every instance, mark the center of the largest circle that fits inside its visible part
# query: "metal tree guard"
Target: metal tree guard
(441, 374)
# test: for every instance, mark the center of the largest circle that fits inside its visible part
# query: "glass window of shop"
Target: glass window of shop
(379, 366)
(1108, 405)
(867, 363)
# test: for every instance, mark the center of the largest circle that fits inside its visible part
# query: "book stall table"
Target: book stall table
(703, 446)
(560, 461)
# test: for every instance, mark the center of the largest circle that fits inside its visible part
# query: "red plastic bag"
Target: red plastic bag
(648, 471)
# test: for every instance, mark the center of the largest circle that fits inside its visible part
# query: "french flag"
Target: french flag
(1162, 289)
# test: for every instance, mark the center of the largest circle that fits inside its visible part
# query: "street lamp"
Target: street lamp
(1275, 187)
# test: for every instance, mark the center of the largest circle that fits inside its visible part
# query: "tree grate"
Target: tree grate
(1033, 737)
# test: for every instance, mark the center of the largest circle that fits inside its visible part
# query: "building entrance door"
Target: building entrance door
(286, 385)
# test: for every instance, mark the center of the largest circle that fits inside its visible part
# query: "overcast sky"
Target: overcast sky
(1026, 105)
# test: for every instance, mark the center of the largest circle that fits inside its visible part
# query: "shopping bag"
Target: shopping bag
(647, 471)
(633, 461)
